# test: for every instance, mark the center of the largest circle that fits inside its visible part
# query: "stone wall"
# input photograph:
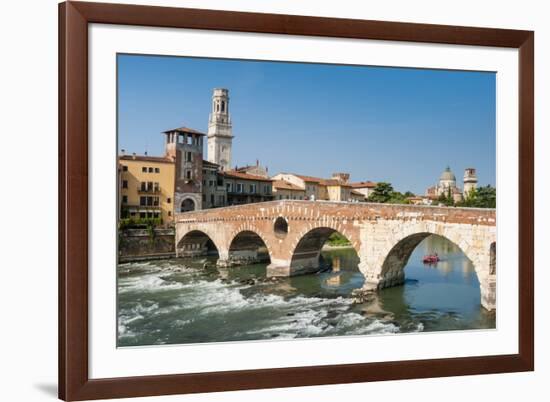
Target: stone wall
(140, 244)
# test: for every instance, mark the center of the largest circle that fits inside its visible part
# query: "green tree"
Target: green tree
(487, 197)
(446, 199)
(382, 192)
(397, 198)
(336, 239)
(481, 197)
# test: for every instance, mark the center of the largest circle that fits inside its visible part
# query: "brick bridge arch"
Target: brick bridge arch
(243, 244)
(383, 235)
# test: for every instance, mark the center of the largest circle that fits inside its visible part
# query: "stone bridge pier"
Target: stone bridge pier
(291, 234)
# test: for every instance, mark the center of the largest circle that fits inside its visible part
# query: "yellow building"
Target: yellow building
(147, 187)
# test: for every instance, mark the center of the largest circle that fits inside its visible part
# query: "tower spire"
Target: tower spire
(220, 131)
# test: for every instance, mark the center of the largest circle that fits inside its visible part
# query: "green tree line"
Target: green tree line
(384, 193)
(481, 197)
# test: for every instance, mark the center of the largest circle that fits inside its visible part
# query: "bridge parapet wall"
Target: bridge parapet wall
(314, 210)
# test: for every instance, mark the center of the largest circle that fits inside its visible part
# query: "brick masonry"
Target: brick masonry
(383, 235)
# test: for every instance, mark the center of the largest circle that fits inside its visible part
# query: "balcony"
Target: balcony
(148, 190)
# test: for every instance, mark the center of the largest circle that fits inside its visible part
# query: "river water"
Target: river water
(180, 301)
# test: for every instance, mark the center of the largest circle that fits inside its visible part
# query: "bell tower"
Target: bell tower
(470, 181)
(220, 136)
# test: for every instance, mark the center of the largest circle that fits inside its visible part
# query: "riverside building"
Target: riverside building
(297, 186)
(146, 187)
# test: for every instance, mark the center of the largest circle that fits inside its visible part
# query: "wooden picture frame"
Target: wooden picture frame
(74, 381)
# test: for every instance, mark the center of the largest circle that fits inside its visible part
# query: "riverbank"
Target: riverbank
(146, 257)
(161, 256)
(135, 244)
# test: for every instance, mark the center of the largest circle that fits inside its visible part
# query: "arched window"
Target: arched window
(187, 205)
(281, 226)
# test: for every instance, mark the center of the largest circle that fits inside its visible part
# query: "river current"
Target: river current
(178, 301)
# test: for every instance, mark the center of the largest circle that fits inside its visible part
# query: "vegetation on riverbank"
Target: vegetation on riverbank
(130, 223)
(337, 240)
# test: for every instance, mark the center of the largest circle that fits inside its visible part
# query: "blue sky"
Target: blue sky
(398, 125)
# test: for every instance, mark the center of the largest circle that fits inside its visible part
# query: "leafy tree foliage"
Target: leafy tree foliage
(336, 239)
(384, 193)
(446, 199)
(481, 197)
(381, 193)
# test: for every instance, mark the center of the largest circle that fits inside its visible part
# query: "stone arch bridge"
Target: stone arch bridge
(292, 234)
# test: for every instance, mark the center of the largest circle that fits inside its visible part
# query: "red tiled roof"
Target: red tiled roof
(145, 158)
(284, 185)
(320, 181)
(363, 184)
(184, 130)
(310, 179)
(245, 176)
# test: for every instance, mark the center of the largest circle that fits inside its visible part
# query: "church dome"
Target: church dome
(447, 175)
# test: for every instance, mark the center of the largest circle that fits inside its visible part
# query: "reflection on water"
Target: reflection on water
(179, 301)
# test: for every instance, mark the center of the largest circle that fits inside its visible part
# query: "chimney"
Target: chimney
(134, 155)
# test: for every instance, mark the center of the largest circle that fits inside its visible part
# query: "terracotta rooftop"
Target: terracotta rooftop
(185, 130)
(321, 181)
(145, 158)
(363, 184)
(245, 176)
(310, 179)
(284, 185)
